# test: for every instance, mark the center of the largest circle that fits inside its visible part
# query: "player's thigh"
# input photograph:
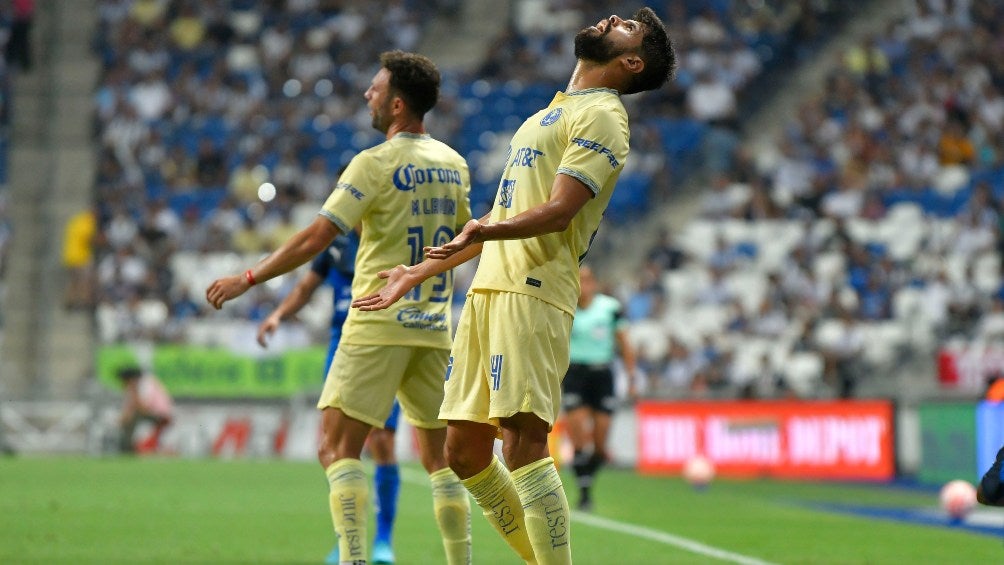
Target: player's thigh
(466, 395)
(528, 349)
(421, 389)
(363, 379)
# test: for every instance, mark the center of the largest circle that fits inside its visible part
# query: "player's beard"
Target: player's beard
(381, 117)
(593, 46)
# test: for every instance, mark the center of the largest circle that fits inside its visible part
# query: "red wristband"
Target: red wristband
(250, 277)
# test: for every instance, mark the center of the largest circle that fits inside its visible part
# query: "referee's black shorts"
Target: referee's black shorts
(589, 386)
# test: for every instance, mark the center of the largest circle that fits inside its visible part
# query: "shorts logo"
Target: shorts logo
(496, 371)
(533, 282)
(551, 117)
(449, 368)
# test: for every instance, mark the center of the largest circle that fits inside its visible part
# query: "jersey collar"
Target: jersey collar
(593, 91)
(410, 135)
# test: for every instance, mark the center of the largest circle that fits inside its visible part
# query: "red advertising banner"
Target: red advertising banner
(818, 440)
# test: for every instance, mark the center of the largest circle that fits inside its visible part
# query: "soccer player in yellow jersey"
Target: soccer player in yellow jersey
(406, 193)
(511, 350)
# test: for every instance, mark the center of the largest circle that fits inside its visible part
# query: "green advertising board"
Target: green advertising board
(948, 442)
(189, 371)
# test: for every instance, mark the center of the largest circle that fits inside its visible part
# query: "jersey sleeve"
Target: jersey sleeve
(598, 145)
(353, 194)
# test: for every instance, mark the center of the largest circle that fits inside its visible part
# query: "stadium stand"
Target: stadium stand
(199, 104)
(5, 224)
(868, 234)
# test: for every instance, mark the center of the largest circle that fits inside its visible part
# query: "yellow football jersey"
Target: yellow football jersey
(407, 193)
(583, 134)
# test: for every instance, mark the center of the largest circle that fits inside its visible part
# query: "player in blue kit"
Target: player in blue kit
(335, 267)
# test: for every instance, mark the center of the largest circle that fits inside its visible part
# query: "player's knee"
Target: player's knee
(454, 458)
(463, 461)
(327, 451)
(325, 455)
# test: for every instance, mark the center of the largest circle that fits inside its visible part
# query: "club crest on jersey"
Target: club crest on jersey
(551, 117)
(505, 193)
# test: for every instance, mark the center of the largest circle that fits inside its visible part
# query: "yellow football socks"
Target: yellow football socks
(453, 514)
(545, 511)
(348, 499)
(495, 493)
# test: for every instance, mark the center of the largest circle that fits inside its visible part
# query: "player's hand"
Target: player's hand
(469, 235)
(398, 284)
(266, 329)
(225, 289)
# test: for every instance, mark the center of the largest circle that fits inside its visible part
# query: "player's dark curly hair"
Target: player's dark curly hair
(657, 52)
(414, 78)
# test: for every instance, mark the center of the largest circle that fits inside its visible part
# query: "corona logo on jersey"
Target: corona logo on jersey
(408, 177)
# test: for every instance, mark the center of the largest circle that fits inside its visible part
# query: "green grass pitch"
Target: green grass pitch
(74, 510)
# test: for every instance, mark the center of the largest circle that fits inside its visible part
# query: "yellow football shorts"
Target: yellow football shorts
(509, 355)
(364, 379)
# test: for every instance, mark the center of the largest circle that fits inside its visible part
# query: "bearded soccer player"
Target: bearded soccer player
(511, 350)
(406, 193)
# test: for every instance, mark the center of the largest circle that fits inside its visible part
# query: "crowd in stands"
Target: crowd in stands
(199, 103)
(689, 126)
(15, 53)
(869, 233)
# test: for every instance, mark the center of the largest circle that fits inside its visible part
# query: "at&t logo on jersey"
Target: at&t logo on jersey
(523, 157)
(551, 117)
(408, 177)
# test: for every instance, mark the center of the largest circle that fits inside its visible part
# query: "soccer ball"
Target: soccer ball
(698, 471)
(958, 498)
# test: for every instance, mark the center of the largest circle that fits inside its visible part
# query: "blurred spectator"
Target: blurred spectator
(843, 367)
(78, 259)
(19, 50)
(954, 148)
(664, 255)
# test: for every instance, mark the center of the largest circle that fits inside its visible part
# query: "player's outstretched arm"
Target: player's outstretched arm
(402, 279)
(296, 251)
(568, 196)
(470, 235)
(294, 301)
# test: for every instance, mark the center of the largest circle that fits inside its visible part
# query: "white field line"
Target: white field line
(420, 478)
(666, 538)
